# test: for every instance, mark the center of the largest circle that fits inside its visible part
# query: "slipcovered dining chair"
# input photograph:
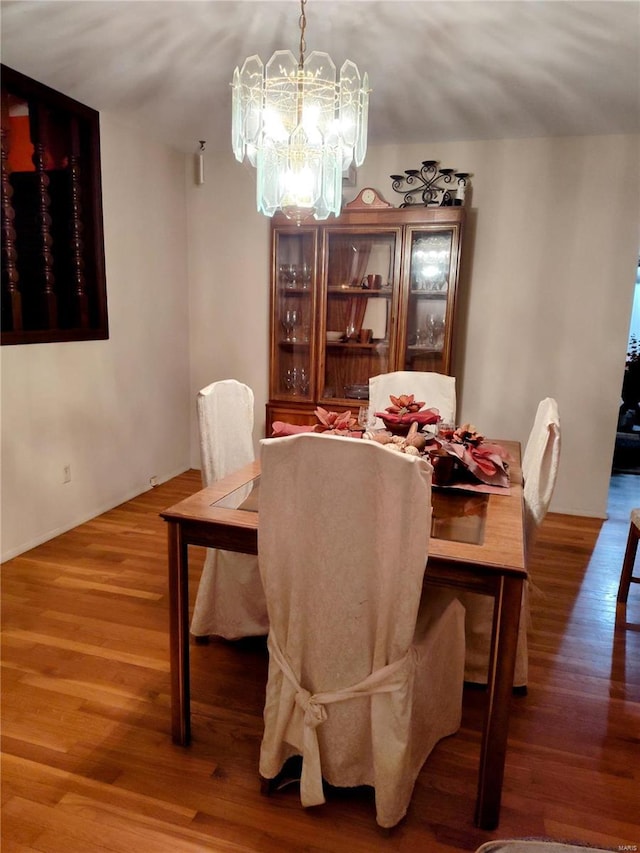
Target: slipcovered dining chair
(436, 389)
(230, 601)
(540, 467)
(365, 673)
(539, 472)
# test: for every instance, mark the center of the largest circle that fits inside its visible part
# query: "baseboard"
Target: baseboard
(51, 534)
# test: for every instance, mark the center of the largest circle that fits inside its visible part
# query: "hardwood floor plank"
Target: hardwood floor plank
(76, 825)
(88, 764)
(27, 778)
(601, 831)
(34, 638)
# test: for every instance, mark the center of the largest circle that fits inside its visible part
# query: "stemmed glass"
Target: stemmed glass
(422, 337)
(289, 275)
(445, 430)
(303, 381)
(290, 379)
(296, 381)
(435, 331)
(290, 323)
(305, 274)
(366, 417)
(285, 272)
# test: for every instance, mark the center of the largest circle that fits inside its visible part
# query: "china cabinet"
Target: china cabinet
(368, 292)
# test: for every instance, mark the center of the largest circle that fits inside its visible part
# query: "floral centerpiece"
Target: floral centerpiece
(406, 410)
(336, 423)
(486, 462)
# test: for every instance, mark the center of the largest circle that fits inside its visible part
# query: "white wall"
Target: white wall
(548, 279)
(116, 411)
(229, 263)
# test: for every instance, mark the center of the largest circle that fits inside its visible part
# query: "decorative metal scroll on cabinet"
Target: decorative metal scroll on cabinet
(431, 186)
(371, 291)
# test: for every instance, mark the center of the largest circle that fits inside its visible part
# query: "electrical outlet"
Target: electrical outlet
(66, 474)
(153, 482)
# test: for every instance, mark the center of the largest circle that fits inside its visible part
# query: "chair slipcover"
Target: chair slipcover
(539, 472)
(540, 467)
(230, 601)
(364, 676)
(436, 389)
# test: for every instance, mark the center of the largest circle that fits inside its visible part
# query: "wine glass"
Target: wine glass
(431, 331)
(289, 323)
(422, 337)
(284, 271)
(303, 381)
(365, 417)
(446, 430)
(291, 380)
(305, 276)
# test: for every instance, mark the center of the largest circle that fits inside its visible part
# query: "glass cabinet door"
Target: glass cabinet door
(294, 288)
(431, 289)
(357, 338)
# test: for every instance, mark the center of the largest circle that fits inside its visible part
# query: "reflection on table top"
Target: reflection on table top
(457, 515)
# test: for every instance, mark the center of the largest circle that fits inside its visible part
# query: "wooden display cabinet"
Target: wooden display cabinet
(368, 292)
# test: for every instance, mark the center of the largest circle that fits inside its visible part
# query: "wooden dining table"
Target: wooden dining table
(477, 545)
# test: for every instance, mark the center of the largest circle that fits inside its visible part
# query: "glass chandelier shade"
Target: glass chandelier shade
(301, 127)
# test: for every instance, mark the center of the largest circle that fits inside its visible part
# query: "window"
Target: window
(53, 281)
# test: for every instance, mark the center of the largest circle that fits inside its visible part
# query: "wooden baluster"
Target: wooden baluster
(81, 301)
(48, 301)
(11, 296)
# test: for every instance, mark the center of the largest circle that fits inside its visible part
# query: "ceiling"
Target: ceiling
(439, 70)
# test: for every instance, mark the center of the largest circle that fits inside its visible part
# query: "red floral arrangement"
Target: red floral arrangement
(487, 462)
(467, 434)
(337, 423)
(405, 410)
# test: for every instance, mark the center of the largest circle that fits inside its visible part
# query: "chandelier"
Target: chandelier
(300, 127)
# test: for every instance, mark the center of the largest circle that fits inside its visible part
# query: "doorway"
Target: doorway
(626, 457)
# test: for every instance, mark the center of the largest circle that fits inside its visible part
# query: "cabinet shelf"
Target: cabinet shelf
(359, 291)
(356, 346)
(352, 403)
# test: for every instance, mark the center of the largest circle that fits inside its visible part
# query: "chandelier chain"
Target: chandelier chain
(303, 24)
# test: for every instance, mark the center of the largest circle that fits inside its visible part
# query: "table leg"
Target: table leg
(501, 669)
(179, 635)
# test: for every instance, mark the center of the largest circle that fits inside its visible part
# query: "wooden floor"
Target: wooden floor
(88, 762)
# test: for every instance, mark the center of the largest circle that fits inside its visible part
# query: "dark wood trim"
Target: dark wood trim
(53, 277)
